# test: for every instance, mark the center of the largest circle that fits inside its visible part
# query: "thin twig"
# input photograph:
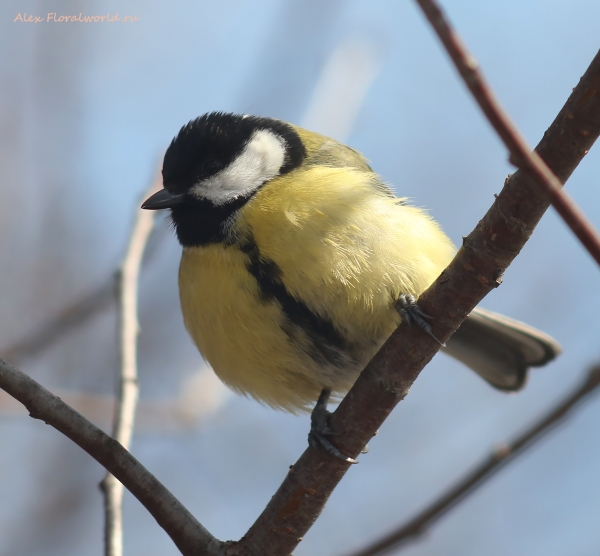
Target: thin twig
(521, 154)
(127, 389)
(503, 455)
(190, 537)
(476, 270)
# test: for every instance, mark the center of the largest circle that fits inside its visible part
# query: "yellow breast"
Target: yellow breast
(343, 246)
(238, 334)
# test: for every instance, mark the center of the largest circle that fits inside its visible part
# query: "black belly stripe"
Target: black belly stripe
(327, 343)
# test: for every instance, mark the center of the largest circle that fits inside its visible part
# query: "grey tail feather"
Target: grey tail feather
(501, 349)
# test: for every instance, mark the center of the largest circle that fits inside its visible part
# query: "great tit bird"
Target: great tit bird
(299, 262)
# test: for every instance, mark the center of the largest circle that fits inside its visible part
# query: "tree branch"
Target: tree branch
(190, 537)
(485, 470)
(127, 390)
(520, 152)
(476, 270)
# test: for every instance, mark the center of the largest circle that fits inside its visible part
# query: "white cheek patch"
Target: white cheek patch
(260, 161)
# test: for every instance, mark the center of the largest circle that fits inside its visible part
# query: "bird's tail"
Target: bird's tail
(500, 349)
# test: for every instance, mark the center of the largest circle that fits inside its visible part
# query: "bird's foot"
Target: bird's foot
(319, 428)
(409, 310)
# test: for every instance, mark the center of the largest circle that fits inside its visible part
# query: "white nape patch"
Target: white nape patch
(260, 161)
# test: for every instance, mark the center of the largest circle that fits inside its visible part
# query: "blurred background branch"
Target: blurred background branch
(191, 537)
(505, 453)
(67, 320)
(127, 383)
(74, 315)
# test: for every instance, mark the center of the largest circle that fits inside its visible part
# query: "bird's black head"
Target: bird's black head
(213, 167)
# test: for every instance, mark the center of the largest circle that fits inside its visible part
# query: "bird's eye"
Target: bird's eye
(211, 167)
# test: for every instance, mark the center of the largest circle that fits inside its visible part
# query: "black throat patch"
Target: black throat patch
(198, 222)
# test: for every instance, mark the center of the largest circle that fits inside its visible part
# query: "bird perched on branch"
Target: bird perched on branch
(299, 262)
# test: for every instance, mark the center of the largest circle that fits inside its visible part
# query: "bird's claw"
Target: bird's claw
(320, 429)
(408, 308)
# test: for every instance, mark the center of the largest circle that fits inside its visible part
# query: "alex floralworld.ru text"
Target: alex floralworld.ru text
(55, 18)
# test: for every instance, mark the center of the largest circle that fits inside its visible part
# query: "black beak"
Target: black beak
(163, 200)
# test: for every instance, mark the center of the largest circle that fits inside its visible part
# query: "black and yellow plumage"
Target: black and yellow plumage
(294, 256)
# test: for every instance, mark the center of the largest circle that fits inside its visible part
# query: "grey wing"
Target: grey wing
(501, 349)
(337, 155)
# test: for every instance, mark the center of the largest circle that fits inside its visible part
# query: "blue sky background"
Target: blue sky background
(86, 111)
